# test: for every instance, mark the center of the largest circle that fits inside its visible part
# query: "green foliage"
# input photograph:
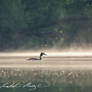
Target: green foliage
(42, 23)
(13, 17)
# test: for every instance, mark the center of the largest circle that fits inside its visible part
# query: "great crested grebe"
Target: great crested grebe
(41, 54)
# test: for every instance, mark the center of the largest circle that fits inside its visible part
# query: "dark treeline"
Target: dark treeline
(44, 23)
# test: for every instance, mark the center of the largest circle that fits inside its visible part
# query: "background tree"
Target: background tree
(32, 24)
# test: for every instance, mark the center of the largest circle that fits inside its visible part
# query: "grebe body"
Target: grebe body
(41, 55)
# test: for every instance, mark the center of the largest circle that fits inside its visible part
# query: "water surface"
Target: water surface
(52, 74)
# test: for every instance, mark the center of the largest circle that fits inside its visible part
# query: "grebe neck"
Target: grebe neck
(40, 57)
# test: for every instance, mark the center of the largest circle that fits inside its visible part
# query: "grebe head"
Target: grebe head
(41, 54)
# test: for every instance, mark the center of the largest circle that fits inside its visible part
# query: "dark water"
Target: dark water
(38, 80)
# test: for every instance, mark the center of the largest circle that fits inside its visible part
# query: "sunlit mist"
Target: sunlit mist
(48, 54)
